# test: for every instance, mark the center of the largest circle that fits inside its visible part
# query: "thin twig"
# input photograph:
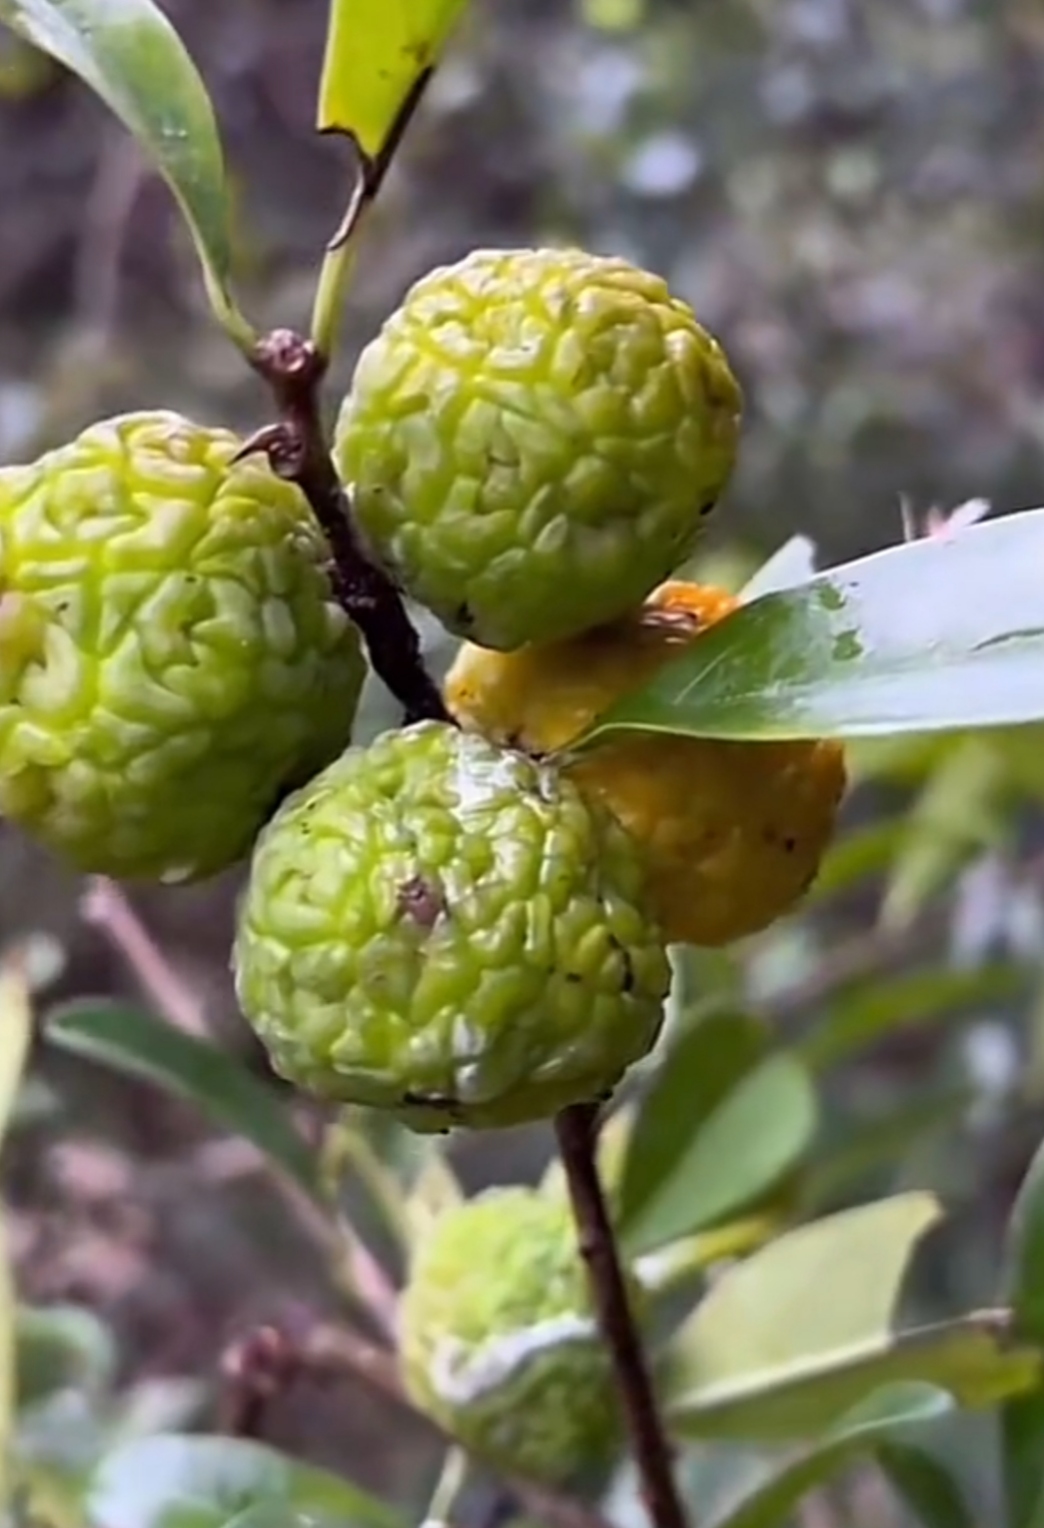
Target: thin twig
(576, 1129)
(297, 450)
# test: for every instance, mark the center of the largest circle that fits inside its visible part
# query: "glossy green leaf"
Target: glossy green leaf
(866, 1014)
(766, 1330)
(377, 53)
(130, 55)
(794, 563)
(172, 1481)
(974, 1357)
(692, 1079)
(130, 1040)
(924, 1484)
(890, 1415)
(721, 1124)
(932, 635)
(1022, 1420)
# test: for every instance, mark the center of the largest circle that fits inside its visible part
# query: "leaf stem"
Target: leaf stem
(340, 252)
(334, 274)
(576, 1129)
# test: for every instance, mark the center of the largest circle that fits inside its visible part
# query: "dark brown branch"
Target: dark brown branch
(297, 449)
(576, 1129)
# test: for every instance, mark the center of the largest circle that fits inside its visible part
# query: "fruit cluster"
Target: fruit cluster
(451, 923)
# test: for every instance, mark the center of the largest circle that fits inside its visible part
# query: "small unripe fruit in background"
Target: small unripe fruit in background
(498, 1337)
(444, 928)
(733, 832)
(171, 656)
(534, 440)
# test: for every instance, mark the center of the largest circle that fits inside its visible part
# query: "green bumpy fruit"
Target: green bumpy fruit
(171, 656)
(447, 929)
(533, 440)
(498, 1338)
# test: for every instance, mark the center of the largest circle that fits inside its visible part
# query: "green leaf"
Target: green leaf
(889, 1415)
(867, 1013)
(130, 55)
(721, 1123)
(865, 851)
(377, 54)
(276, 1515)
(959, 813)
(934, 635)
(61, 1347)
(925, 1484)
(170, 1481)
(130, 1040)
(792, 564)
(692, 1079)
(1022, 1420)
(974, 1357)
(787, 1340)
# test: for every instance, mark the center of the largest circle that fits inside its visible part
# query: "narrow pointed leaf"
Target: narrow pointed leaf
(130, 55)
(130, 1040)
(876, 1009)
(787, 1341)
(930, 636)
(721, 1123)
(377, 53)
(890, 1415)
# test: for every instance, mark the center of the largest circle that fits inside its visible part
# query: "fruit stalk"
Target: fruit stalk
(297, 450)
(576, 1129)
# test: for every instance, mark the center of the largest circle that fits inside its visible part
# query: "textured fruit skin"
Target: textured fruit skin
(449, 930)
(171, 657)
(533, 440)
(498, 1338)
(733, 832)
